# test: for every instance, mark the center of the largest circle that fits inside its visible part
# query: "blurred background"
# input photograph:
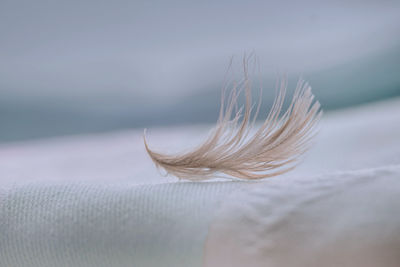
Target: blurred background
(72, 67)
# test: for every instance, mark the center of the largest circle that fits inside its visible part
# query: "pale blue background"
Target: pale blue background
(70, 67)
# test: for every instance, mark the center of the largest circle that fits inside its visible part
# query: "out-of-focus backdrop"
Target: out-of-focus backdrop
(71, 67)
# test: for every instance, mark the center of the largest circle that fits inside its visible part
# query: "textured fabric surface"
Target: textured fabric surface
(349, 219)
(108, 225)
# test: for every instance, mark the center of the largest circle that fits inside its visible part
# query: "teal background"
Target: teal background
(95, 66)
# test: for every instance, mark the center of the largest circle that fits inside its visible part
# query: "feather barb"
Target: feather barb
(233, 148)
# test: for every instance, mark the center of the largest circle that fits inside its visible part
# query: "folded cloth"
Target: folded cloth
(349, 219)
(75, 202)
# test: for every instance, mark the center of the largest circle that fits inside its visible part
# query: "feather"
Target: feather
(235, 150)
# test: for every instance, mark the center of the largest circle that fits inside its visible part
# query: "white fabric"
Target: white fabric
(107, 225)
(349, 219)
(98, 201)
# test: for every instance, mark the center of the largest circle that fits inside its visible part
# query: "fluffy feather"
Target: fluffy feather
(235, 150)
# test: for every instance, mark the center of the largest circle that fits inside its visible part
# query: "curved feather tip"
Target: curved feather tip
(237, 150)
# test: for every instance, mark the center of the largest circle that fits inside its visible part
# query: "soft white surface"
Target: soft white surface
(98, 201)
(347, 219)
(95, 225)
